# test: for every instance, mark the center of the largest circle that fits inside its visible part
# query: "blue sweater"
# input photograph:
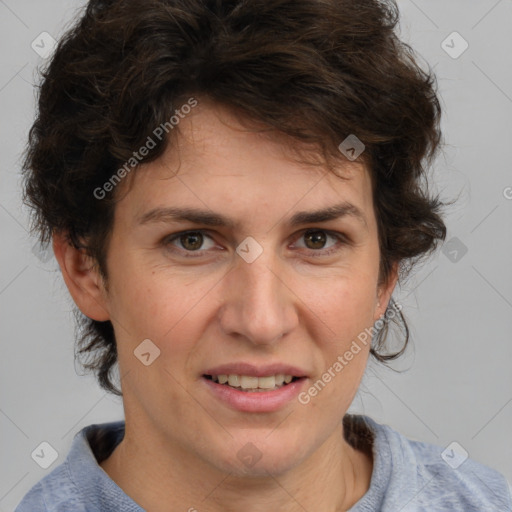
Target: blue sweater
(408, 476)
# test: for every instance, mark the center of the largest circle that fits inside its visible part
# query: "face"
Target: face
(248, 287)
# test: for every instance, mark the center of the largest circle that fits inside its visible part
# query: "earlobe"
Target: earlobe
(82, 278)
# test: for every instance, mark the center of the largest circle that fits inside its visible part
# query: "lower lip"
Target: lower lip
(256, 401)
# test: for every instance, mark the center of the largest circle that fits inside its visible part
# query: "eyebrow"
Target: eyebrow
(209, 218)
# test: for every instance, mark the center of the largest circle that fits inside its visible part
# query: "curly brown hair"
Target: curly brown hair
(313, 70)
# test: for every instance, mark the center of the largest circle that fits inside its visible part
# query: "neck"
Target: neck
(334, 477)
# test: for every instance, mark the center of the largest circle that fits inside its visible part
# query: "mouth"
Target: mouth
(253, 384)
(246, 387)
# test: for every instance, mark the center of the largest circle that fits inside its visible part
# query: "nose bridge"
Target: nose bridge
(257, 304)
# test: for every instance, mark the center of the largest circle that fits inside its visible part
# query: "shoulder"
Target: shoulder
(56, 492)
(457, 480)
(79, 483)
(425, 476)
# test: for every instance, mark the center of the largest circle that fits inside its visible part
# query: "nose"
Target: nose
(258, 304)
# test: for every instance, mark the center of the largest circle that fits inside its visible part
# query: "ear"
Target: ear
(384, 292)
(82, 278)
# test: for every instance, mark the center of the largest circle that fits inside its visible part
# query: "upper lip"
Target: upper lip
(255, 371)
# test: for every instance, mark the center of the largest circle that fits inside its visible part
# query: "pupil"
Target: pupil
(317, 238)
(196, 238)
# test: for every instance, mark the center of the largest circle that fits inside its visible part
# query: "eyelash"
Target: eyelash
(340, 237)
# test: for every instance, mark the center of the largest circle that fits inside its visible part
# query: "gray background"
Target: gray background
(456, 384)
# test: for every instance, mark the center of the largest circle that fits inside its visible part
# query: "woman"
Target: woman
(232, 190)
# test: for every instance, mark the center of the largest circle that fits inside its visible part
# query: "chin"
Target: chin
(256, 459)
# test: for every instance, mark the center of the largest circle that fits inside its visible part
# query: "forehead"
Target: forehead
(216, 161)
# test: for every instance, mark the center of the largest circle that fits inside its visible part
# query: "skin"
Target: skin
(294, 304)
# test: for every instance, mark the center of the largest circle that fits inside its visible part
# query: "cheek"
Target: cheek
(345, 312)
(162, 306)
(344, 305)
(150, 305)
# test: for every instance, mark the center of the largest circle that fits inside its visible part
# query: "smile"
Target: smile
(248, 393)
(252, 383)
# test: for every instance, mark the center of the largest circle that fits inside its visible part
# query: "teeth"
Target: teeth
(234, 381)
(266, 382)
(249, 382)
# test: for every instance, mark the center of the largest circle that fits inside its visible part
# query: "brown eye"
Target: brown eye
(315, 239)
(191, 241)
(320, 243)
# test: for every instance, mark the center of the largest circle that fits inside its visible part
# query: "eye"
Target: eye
(316, 240)
(189, 241)
(192, 243)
